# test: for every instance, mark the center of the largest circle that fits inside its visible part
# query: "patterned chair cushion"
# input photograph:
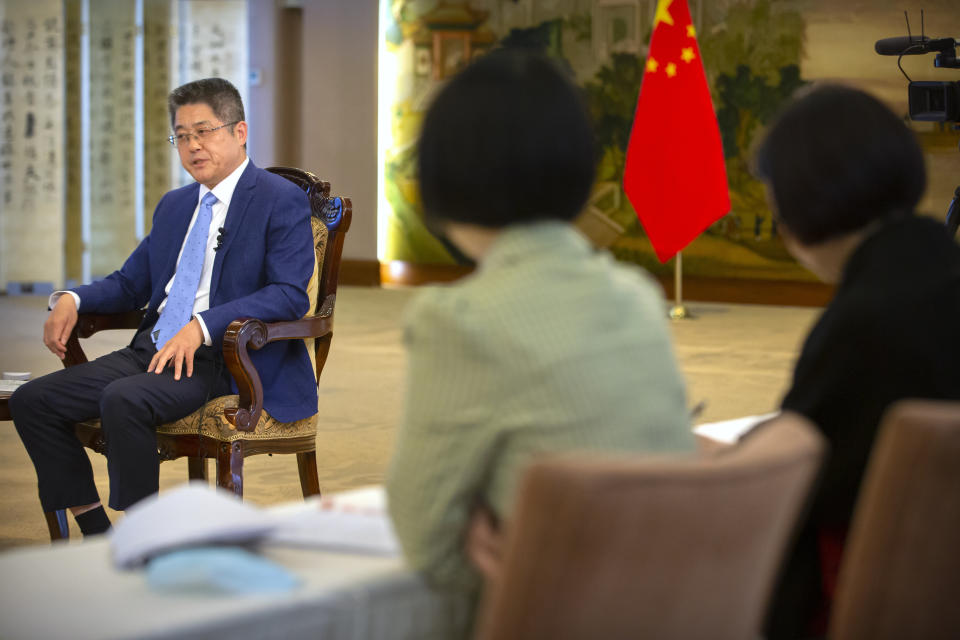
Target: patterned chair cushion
(215, 425)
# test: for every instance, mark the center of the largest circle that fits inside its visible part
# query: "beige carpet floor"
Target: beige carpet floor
(736, 358)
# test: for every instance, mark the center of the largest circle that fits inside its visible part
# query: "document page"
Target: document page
(354, 520)
(730, 431)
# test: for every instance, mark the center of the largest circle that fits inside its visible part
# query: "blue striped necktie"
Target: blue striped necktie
(179, 308)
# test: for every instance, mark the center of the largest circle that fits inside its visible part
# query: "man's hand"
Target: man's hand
(485, 544)
(179, 349)
(59, 324)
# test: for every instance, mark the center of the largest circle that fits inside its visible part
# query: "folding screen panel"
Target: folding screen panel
(32, 141)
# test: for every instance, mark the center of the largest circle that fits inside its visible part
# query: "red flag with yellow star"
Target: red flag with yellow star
(675, 177)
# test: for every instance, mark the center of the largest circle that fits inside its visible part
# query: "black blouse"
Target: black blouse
(892, 331)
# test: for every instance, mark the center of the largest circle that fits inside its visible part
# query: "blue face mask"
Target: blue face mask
(227, 570)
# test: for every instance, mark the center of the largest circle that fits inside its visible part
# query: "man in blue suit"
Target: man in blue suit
(235, 243)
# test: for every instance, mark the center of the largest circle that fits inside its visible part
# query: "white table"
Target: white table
(73, 591)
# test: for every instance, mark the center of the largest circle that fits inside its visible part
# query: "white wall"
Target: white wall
(338, 94)
(339, 125)
(260, 107)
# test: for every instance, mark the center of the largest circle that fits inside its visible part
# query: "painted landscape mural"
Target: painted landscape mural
(756, 54)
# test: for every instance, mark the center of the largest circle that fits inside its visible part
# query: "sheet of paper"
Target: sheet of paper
(354, 521)
(730, 431)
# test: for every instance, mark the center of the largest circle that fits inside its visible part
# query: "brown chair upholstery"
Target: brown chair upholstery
(236, 426)
(900, 575)
(644, 547)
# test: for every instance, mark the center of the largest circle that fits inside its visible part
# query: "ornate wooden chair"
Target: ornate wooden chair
(230, 428)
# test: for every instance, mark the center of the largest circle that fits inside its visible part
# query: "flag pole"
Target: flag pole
(678, 311)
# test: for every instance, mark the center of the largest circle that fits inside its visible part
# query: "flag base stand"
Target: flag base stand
(680, 312)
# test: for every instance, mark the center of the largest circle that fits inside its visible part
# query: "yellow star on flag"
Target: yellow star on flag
(671, 69)
(663, 13)
(687, 55)
(652, 65)
(691, 32)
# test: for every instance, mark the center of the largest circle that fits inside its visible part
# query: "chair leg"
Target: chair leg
(57, 524)
(197, 468)
(309, 481)
(230, 467)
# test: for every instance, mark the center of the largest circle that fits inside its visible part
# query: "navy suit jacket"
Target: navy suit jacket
(261, 271)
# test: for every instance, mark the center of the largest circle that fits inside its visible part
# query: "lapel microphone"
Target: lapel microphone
(221, 233)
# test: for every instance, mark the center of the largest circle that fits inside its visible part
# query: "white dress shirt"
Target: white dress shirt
(224, 193)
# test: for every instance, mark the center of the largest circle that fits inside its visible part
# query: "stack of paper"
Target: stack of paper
(351, 521)
(197, 514)
(9, 386)
(10, 380)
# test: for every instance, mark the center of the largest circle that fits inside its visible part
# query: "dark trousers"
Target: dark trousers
(130, 403)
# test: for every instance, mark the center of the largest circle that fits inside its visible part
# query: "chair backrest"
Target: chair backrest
(335, 213)
(900, 575)
(644, 547)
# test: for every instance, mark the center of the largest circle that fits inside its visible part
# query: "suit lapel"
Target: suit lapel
(239, 203)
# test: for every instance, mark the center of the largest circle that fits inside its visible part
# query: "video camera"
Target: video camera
(930, 101)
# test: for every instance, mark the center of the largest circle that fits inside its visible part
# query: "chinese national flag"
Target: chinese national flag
(674, 176)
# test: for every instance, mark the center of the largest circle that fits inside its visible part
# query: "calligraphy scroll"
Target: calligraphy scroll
(112, 134)
(31, 141)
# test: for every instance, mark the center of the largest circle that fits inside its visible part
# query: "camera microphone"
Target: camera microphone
(220, 235)
(913, 45)
(902, 46)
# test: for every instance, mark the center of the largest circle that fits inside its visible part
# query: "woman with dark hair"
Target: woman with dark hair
(549, 345)
(844, 176)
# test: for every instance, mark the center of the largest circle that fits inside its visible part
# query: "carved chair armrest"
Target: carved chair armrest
(249, 333)
(90, 323)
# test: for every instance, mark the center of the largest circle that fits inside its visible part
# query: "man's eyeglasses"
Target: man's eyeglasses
(183, 138)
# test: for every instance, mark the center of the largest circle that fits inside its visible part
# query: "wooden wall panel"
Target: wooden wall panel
(157, 83)
(73, 214)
